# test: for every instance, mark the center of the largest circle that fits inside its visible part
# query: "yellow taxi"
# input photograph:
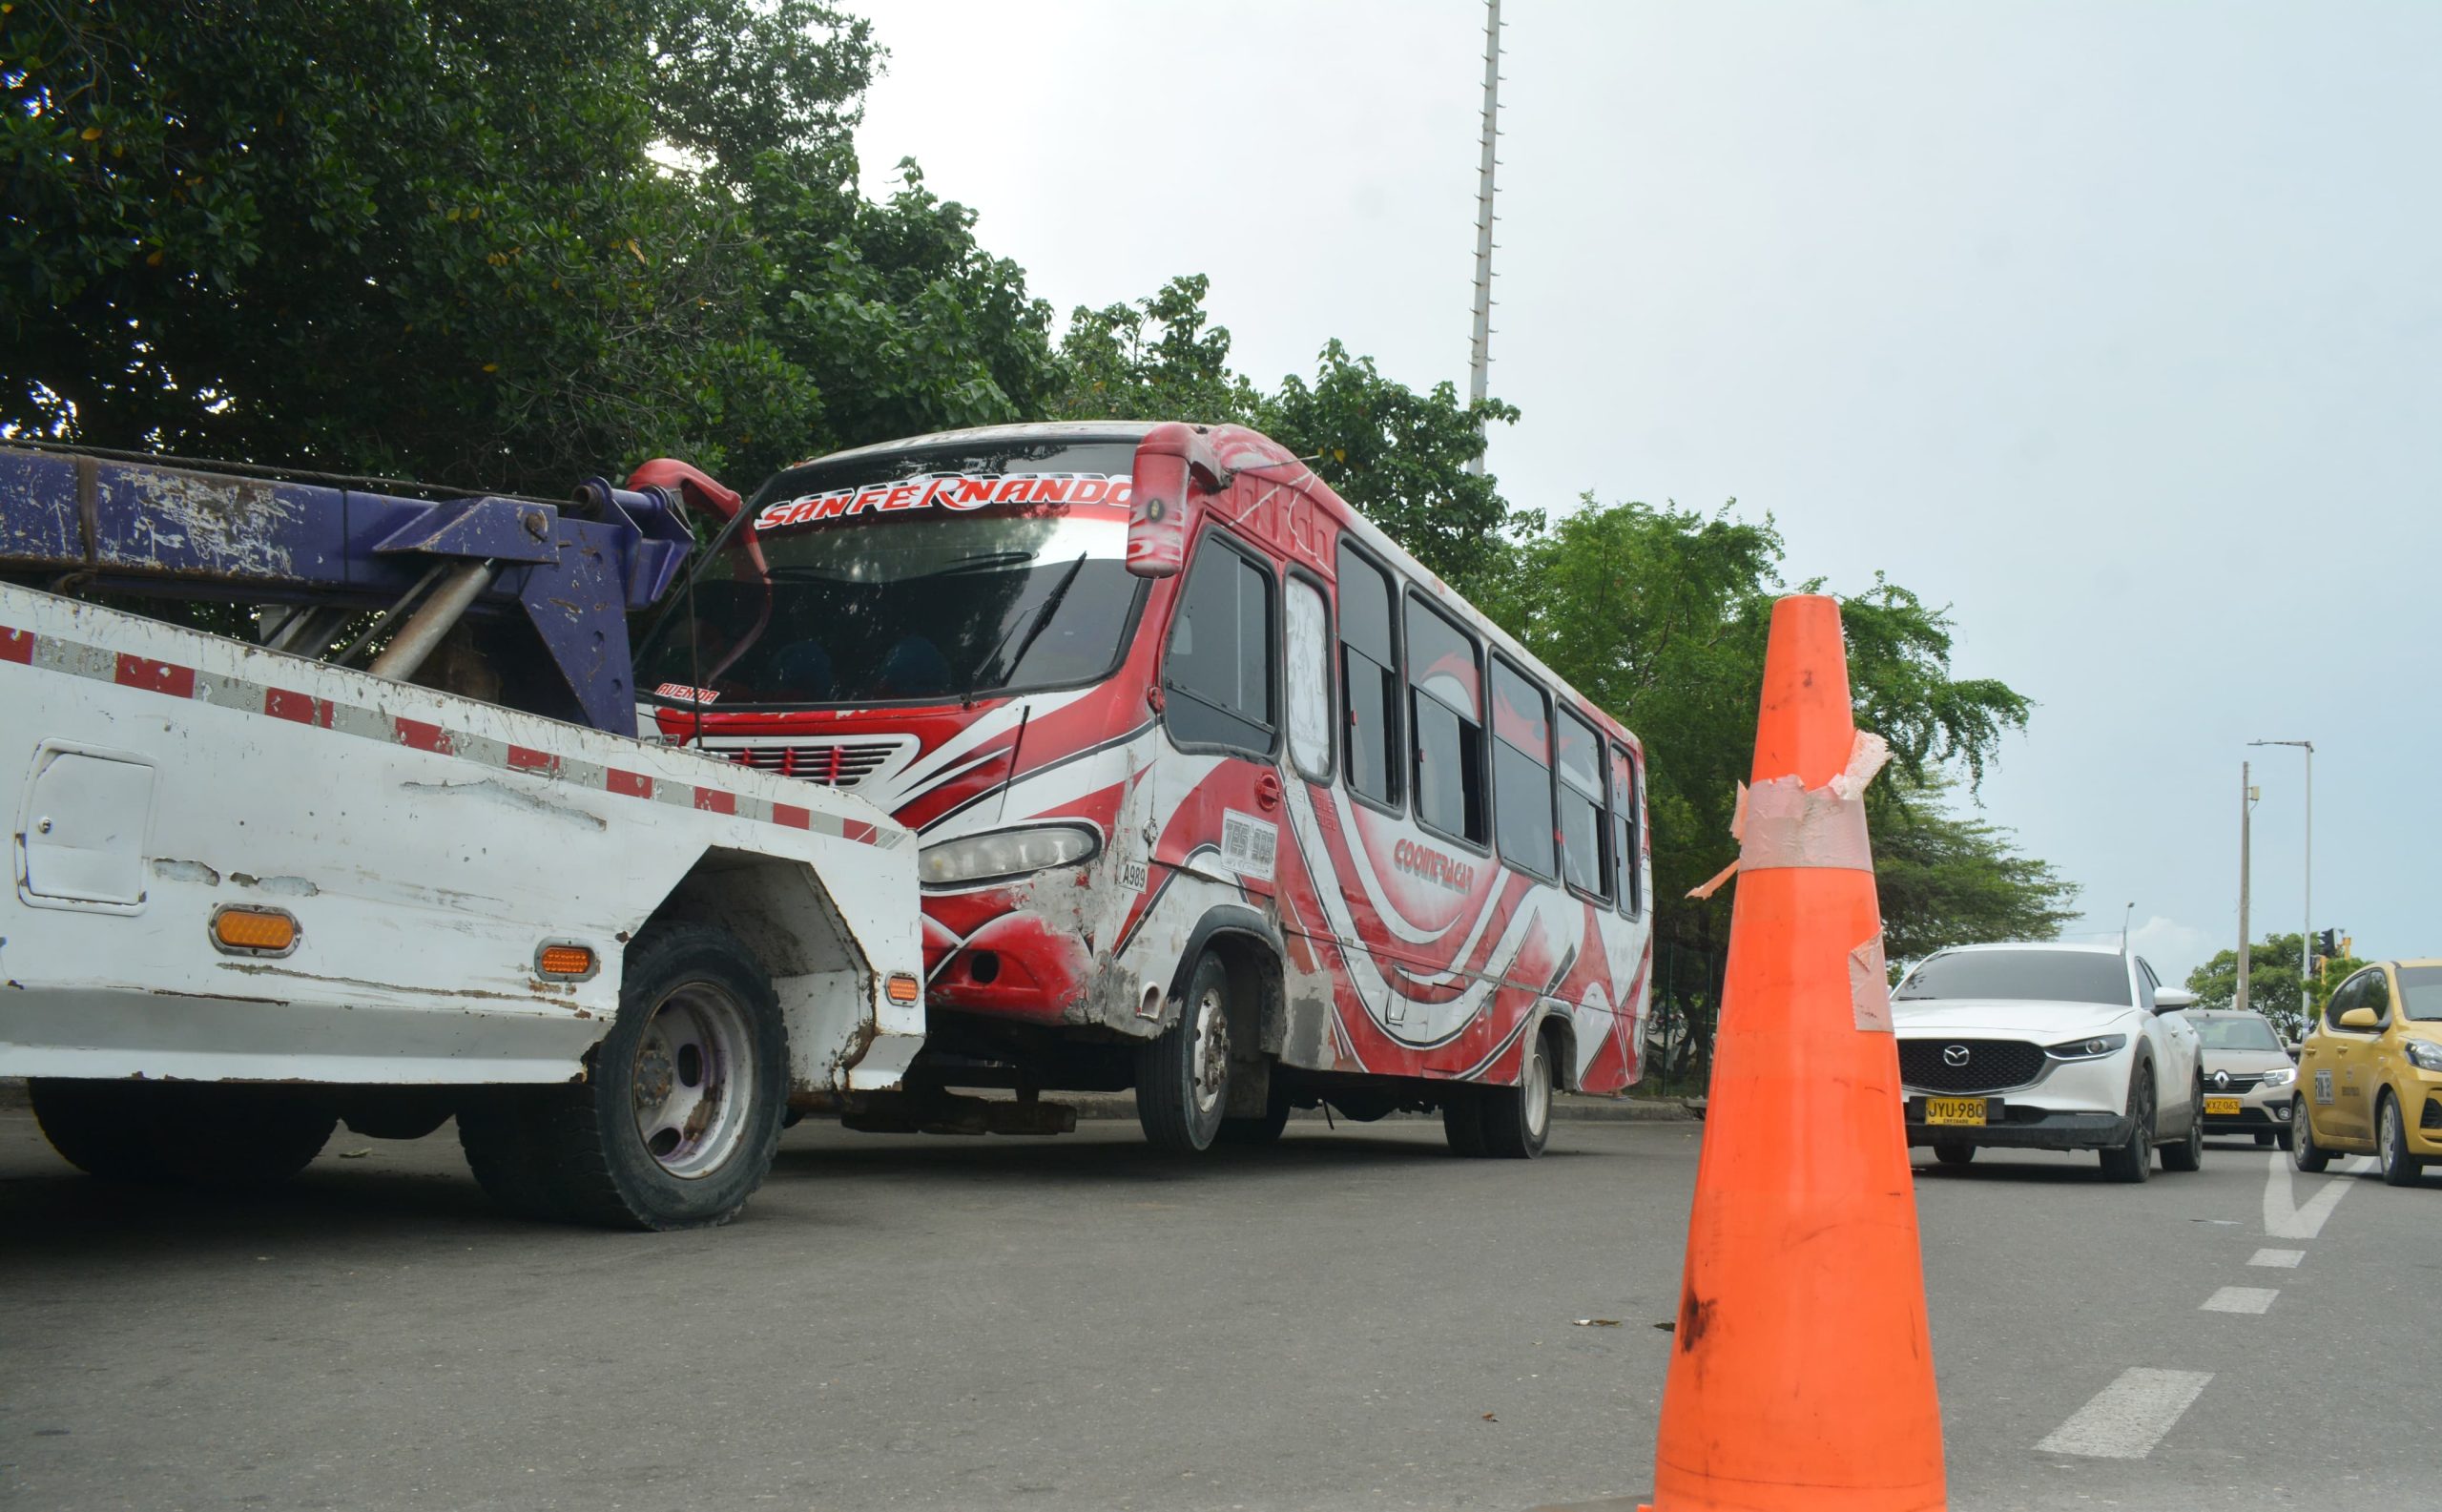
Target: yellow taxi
(2370, 1075)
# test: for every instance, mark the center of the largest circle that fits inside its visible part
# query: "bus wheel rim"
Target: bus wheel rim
(1210, 1062)
(1539, 1089)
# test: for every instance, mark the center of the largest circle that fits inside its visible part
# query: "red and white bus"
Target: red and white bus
(1221, 797)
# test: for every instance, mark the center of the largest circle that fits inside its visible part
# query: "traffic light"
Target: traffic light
(2327, 943)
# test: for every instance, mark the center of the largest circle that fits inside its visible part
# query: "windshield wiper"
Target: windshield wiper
(989, 669)
(981, 561)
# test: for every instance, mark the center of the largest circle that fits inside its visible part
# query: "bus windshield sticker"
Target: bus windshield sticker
(1248, 843)
(958, 492)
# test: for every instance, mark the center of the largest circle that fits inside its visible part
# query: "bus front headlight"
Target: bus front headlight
(1005, 853)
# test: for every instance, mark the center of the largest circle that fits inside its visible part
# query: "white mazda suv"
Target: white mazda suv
(2049, 1047)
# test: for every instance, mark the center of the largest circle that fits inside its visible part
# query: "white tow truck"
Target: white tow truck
(257, 892)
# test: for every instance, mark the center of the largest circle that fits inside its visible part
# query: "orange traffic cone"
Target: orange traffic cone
(1801, 1375)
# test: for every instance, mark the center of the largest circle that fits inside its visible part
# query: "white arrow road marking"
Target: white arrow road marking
(2129, 1416)
(2285, 1219)
(2240, 1299)
(2278, 1259)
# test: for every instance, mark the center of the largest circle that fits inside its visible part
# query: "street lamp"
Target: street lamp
(2249, 793)
(2306, 931)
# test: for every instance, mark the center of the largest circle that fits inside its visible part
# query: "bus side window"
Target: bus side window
(1522, 771)
(1219, 662)
(1445, 701)
(1369, 679)
(1587, 845)
(1306, 639)
(1627, 813)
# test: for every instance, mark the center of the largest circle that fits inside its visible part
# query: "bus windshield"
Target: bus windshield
(910, 577)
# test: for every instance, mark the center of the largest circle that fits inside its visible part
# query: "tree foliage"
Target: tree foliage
(1160, 358)
(2273, 981)
(1661, 617)
(1948, 879)
(1399, 455)
(449, 240)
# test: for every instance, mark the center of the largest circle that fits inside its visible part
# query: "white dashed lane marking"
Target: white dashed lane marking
(2285, 1219)
(2126, 1418)
(2129, 1416)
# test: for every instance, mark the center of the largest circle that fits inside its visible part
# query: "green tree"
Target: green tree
(1660, 615)
(1945, 878)
(2273, 981)
(893, 309)
(1156, 359)
(449, 240)
(1400, 456)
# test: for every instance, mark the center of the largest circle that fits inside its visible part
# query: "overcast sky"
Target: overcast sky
(2114, 326)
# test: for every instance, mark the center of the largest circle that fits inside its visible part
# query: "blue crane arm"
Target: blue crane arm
(575, 573)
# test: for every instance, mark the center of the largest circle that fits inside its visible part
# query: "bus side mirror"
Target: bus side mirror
(1170, 460)
(702, 493)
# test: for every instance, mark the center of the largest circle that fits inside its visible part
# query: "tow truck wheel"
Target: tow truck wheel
(1517, 1120)
(678, 1123)
(181, 1132)
(1182, 1075)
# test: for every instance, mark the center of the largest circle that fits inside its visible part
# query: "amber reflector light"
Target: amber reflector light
(254, 929)
(567, 960)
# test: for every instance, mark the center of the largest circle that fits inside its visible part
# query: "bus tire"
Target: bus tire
(679, 1118)
(1517, 1120)
(171, 1132)
(1462, 1122)
(1183, 1073)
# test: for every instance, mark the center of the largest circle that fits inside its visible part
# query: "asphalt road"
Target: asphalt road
(1353, 1320)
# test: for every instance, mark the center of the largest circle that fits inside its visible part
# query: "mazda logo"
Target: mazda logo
(2220, 1078)
(1955, 1055)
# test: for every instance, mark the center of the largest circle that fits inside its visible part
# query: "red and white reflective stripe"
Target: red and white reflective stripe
(73, 658)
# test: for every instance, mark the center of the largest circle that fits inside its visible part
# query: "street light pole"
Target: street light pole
(2246, 804)
(2307, 930)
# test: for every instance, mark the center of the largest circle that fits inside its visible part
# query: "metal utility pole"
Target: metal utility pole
(1480, 357)
(2246, 808)
(2307, 930)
